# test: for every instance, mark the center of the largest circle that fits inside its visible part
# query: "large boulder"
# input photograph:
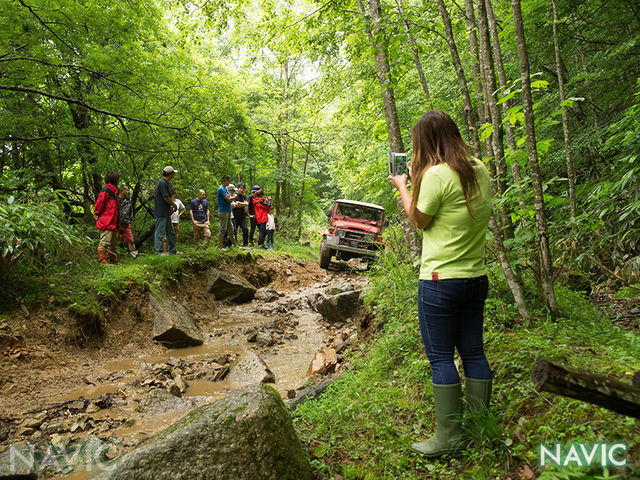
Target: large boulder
(173, 325)
(337, 308)
(225, 286)
(339, 287)
(247, 435)
(250, 368)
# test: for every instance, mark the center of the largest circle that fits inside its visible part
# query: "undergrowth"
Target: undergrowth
(86, 288)
(361, 428)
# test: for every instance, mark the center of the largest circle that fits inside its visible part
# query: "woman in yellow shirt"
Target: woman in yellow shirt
(451, 204)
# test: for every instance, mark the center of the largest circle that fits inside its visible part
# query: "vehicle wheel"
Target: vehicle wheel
(325, 256)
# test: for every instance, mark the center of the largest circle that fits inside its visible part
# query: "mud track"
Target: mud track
(57, 388)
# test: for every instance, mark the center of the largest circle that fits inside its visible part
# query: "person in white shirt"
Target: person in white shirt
(175, 217)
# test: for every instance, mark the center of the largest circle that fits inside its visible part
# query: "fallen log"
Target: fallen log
(601, 390)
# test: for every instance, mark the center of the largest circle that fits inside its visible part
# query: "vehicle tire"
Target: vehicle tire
(325, 256)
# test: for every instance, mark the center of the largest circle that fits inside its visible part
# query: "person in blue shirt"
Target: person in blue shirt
(224, 213)
(199, 211)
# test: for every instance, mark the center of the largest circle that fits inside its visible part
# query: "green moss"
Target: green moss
(240, 408)
(228, 421)
(85, 307)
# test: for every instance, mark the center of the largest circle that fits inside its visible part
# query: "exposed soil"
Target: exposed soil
(57, 382)
(623, 312)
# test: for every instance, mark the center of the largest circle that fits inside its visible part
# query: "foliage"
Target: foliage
(31, 231)
(363, 425)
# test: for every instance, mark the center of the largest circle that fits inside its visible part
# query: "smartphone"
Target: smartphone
(398, 163)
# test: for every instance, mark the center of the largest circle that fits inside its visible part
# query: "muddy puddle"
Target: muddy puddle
(125, 400)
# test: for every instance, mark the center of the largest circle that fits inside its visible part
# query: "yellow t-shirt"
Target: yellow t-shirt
(453, 245)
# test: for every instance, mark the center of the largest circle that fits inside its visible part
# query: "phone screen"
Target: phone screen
(401, 163)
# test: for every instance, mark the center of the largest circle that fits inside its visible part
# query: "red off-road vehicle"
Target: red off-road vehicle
(354, 232)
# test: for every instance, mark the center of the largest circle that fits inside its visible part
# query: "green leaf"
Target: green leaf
(486, 131)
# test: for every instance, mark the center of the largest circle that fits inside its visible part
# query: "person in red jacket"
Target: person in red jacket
(105, 211)
(262, 207)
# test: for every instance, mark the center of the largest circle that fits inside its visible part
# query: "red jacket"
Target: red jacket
(106, 208)
(262, 208)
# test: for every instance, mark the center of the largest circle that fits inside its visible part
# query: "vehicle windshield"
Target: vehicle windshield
(357, 211)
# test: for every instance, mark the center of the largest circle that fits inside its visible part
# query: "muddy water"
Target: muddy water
(300, 334)
(227, 334)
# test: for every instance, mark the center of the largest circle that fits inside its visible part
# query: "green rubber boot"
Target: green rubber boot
(448, 436)
(478, 393)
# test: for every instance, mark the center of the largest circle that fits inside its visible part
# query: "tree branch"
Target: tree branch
(44, 24)
(118, 116)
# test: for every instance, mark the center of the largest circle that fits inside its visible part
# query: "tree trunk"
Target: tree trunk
(374, 30)
(601, 390)
(416, 54)
(490, 90)
(565, 117)
(304, 177)
(546, 277)
(512, 279)
(502, 80)
(470, 114)
(470, 18)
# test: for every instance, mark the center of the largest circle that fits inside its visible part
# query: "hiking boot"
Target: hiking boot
(448, 436)
(478, 393)
(113, 258)
(103, 254)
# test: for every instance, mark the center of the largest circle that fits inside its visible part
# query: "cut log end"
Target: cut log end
(540, 373)
(604, 391)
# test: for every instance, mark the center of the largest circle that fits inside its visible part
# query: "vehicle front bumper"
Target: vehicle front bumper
(334, 243)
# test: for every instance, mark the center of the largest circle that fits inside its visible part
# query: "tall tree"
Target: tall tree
(503, 229)
(565, 116)
(414, 49)
(490, 91)
(546, 277)
(375, 34)
(470, 114)
(502, 81)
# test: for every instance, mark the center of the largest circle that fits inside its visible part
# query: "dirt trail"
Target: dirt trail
(104, 388)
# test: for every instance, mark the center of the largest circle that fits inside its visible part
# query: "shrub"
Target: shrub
(30, 230)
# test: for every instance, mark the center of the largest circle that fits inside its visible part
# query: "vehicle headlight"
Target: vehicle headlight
(342, 233)
(368, 237)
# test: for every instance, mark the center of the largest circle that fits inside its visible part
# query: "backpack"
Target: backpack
(111, 195)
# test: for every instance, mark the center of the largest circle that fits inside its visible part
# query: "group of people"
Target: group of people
(114, 213)
(237, 207)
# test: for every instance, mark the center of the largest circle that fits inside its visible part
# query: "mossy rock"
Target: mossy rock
(245, 436)
(577, 281)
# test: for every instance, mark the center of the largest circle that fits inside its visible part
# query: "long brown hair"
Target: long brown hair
(436, 140)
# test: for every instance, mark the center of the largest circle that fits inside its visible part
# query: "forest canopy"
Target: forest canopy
(307, 99)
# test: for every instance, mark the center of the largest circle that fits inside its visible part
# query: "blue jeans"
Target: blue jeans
(262, 228)
(451, 316)
(242, 224)
(164, 227)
